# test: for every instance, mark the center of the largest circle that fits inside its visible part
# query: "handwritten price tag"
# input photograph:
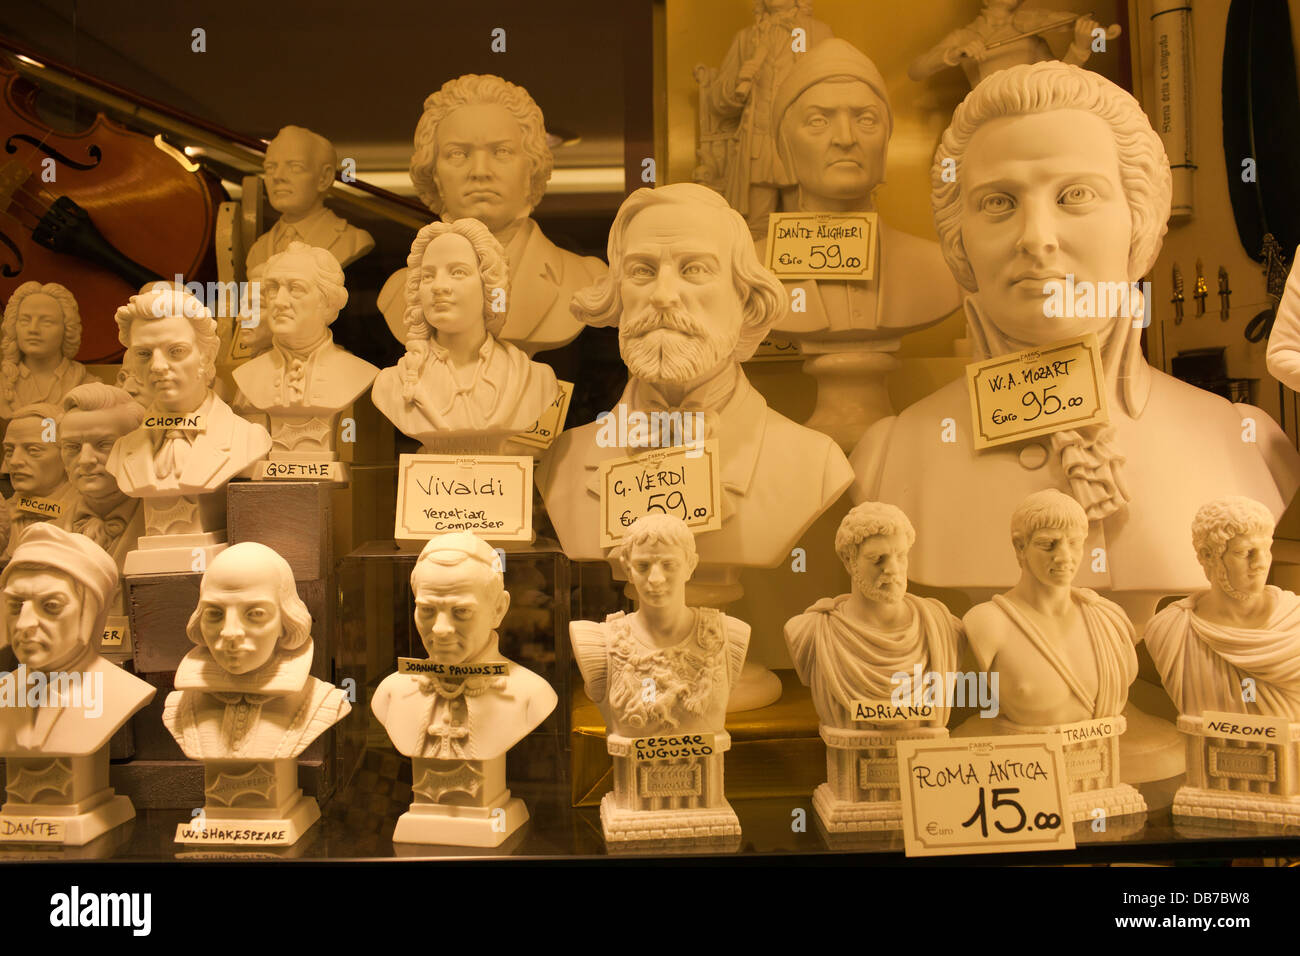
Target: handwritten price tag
(984, 795)
(822, 245)
(551, 422)
(685, 480)
(775, 350)
(1037, 392)
(490, 496)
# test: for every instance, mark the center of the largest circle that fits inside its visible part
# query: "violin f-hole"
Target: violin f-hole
(92, 151)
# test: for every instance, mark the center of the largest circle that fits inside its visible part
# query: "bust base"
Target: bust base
(698, 825)
(849, 816)
(462, 826)
(1216, 805)
(235, 829)
(172, 553)
(1118, 801)
(76, 829)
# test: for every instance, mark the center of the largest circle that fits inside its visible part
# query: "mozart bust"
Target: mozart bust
(39, 336)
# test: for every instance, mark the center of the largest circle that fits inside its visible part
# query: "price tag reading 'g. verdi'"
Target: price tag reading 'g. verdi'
(1037, 392)
(813, 245)
(490, 496)
(685, 480)
(984, 795)
(551, 421)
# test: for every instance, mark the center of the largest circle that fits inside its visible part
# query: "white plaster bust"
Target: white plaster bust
(95, 416)
(1208, 645)
(56, 592)
(244, 692)
(737, 100)
(35, 468)
(691, 302)
(39, 336)
(481, 153)
(171, 349)
(1063, 654)
(298, 171)
(304, 380)
(692, 656)
(850, 647)
(1002, 22)
(460, 601)
(1061, 175)
(833, 122)
(457, 380)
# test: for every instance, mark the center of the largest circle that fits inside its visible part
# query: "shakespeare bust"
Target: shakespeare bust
(36, 471)
(304, 381)
(1062, 181)
(1232, 648)
(481, 153)
(40, 334)
(298, 171)
(458, 387)
(457, 713)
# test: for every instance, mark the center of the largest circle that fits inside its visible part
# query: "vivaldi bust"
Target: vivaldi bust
(39, 336)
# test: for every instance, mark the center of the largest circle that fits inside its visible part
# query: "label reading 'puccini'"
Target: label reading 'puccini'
(490, 496)
(32, 504)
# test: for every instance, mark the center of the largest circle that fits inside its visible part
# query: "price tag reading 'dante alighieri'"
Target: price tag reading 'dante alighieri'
(806, 245)
(1037, 392)
(551, 422)
(685, 480)
(490, 496)
(984, 795)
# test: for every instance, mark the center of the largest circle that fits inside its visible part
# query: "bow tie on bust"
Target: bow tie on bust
(707, 400)
(103, 531)
(173, 452)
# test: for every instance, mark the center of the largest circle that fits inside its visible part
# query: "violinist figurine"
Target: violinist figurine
(40, 335)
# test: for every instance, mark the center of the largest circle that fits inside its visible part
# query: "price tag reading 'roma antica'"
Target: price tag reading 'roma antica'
(490, 496)
(551, 421)
(802, 245)
(1037, 392)
(684, 480)
(984, 795)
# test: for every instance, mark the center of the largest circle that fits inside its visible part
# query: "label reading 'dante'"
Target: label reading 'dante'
(679, 747)
(886, 712)
(490, 496)
(47, 507)
(684, 480)
(1259, 729)
(803, 245)
(193, 422)
(1036, 392)
(984, 795)
(551, 422)
(415, 665)
(18, 829)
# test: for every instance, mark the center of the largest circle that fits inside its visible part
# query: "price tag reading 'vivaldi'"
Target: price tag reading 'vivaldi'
(1037, 392)
(804, 245)
(685, 480)
(490, 496)
(984, 795)
(551, 422)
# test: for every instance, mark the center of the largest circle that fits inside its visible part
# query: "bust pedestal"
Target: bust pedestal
(1230, 779)
(861, 791)
(251, 803)
(460, 803)
(60, 799)
(852, 394)
(177, 531)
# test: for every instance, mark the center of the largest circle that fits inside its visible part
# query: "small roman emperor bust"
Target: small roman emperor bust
(1235, 647)
(39, 336)
(42, 491)
(459, 387)
(458, 712)
(663, 671)
(298, 171)
(304, 380)
(64, 701)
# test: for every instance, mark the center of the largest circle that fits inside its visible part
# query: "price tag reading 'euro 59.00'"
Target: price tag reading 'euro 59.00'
(984, 795)
(1037, 392)
(684, 480)
(804, 245)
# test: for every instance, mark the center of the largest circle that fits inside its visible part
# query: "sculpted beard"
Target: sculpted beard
(1221, 579)
(887, 589)
(670, 346)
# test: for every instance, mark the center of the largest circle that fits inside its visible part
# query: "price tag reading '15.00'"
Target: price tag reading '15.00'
(984, 795)
(804, 245)
(684, 480)
(490, 496)
(1037, 392)
(551, 422)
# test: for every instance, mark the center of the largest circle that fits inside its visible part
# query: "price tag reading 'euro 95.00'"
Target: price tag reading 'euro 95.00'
(807, 245)
(984, 795)
(684, 480)
(1037, 391)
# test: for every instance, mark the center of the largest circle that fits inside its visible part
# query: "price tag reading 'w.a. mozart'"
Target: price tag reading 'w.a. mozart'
(807, 245)
(1037, 391)
(489, 495)
(984, 795)
(685, 480)
(550, 423)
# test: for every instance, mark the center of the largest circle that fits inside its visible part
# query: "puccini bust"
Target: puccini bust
(458, 726)
(1003, 35)
(39, 336)
(42, 491)
(691, 302)
(1236, 646)
(304, 381)
(664, 669)
(459, 386)
(739, 99)
(1062, 180)
(298, 171)
(481, 153)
